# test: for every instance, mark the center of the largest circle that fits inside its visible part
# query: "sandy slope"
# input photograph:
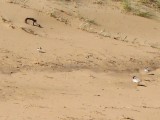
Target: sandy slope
(90, 54)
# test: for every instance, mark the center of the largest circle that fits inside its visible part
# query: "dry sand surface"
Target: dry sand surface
(90, 52)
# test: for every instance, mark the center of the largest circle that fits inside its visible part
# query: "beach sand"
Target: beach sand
(91, 51)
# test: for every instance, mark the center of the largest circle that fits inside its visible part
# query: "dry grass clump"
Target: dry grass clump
(61, 16)
(100, 2)
(117, 0)
(91, 21)
(151, 3)
(127, 5)
(86, 26)
(143, 14)
(70, 0)
(23, 2)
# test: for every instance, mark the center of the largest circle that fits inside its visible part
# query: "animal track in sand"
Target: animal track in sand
(8, 22)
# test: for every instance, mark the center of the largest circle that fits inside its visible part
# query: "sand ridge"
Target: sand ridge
(91, 51)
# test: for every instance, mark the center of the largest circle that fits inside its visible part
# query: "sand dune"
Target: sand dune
(90, 50)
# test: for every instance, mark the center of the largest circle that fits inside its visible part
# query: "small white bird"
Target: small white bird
(40, 50)
(146, 69)
(136, 80)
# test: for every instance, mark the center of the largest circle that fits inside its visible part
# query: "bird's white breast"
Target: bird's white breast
(136, 80)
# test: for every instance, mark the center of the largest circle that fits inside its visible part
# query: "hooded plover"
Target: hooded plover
(136, 80)
(146, 69)
(40, 50)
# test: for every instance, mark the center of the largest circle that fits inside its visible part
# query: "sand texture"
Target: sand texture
(79, 64)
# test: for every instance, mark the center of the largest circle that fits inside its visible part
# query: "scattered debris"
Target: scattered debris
(104, 34)
(151, 74)
(34, 22)
(147, 80)
(97, 95)
(5, 20)
(87, 27)
(142, 85)
(61, 16)
(128, 118)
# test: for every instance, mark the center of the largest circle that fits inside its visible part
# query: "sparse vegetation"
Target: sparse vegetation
(136, 11)
(59, 17)
(127, 5)
(100, 2)
(117, 0)
(143, 14)
(104, 33)
(151, 3)
(91, 21)
(87, 27)
(87, 20)
(155, 46)
(53, 15)
(22, 2)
